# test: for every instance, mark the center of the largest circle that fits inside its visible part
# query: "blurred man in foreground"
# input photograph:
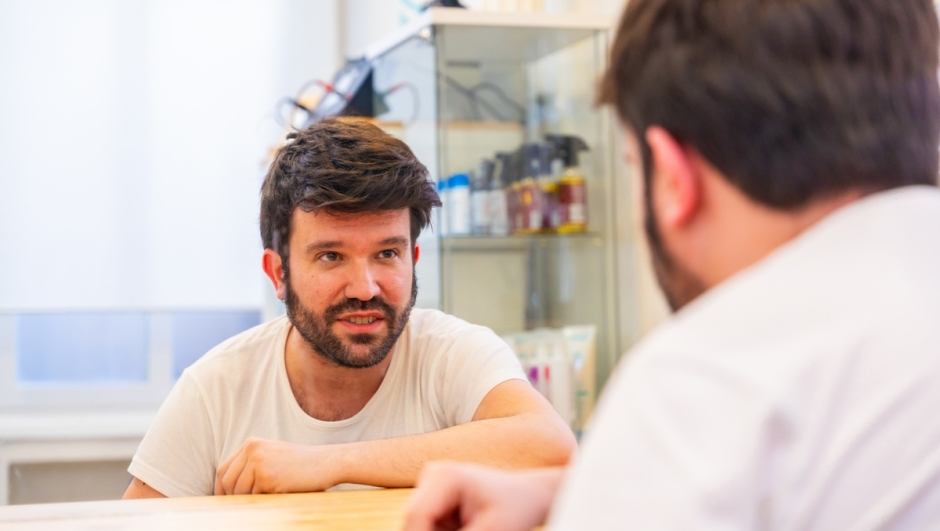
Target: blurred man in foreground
(789, 161)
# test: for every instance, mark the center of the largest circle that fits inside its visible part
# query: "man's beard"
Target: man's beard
(679, 285)
(316, 329)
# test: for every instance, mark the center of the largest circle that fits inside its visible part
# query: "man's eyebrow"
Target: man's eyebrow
(319, 246)
(336, 244)
(395, 240)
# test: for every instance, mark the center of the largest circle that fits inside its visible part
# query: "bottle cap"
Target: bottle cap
(567, 148)
(503, 177)
(483, 175)
(533, 158)
(458, 179)
(546, 154)
(517, 165)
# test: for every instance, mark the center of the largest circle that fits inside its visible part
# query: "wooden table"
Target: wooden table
(362, 510)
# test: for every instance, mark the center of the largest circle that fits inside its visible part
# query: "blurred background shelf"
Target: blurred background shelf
(462, 86)
(515, 242)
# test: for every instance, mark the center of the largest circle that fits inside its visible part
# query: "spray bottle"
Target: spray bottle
(548, 184)
(572, 189)
(499, 196)
(531, 204)
(480, 183)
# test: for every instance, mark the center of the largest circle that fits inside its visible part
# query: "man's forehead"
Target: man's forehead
(325, 215)
(389, 223)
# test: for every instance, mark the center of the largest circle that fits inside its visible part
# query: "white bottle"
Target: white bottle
(499, 212)
(458, 198)
(480, 197)
(480, 200)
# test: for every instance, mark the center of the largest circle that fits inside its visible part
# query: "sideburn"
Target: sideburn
(679, 285)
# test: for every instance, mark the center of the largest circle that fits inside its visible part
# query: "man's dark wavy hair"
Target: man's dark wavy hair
(342, 165)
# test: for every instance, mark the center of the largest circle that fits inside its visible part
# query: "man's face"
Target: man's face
(678, 283)
(350, 286)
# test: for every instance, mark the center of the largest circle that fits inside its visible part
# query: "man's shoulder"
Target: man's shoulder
(433, 334)
(250, 347)
(823, 298)
(428, 323)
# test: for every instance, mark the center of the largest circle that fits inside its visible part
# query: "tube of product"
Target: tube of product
(542, 360)
(580, 343)
(561, 378)
(523, 345)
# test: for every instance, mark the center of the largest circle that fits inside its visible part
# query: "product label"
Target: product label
(576, 213)
(480, 212)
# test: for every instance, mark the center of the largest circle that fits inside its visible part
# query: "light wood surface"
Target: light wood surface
(363, 510)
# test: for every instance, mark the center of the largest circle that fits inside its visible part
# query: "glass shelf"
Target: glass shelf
(515, 241)
(465, 86)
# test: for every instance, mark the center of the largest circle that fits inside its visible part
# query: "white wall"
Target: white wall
(132, 143)
(132, 140)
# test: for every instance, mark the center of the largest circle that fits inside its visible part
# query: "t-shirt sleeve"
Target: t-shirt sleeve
(176, 456)
(473, 362)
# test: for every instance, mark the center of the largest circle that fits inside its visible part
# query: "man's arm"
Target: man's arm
(139, 489)
(459, 495)
(513, 427)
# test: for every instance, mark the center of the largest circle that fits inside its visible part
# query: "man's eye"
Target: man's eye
(388, 253)
(329, 257)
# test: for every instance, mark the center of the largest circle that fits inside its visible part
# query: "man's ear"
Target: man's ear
(676, 179)
(417, 254)
(271, 263)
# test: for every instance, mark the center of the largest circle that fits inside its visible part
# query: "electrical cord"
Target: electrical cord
(289, 122)
(502, 95)
(415, 98)
(295, 106)
(475, 101)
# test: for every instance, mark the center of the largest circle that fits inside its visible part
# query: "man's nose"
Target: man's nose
(362, 283)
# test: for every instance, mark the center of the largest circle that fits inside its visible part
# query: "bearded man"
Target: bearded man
(353, 385)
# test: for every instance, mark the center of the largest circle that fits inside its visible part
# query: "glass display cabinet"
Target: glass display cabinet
(500, 108)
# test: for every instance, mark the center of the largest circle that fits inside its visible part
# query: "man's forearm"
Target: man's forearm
(522, 441)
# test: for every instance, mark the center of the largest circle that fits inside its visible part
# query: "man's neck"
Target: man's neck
(327, 391)
(750, 231)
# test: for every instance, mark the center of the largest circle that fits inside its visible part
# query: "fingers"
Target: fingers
(229, 476)
(437, 499)
(220, 473)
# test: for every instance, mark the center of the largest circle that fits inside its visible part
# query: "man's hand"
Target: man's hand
(263, 466)
(472, 497)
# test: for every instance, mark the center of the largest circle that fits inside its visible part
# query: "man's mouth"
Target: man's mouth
(362, 320)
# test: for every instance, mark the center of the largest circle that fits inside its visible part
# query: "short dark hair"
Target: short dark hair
(343, 165)
(792, 100)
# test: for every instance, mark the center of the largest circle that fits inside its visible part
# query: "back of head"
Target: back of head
(792, 100)
(343, 165)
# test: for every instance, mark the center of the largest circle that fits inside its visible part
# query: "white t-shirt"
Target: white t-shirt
(441, 369)
(801, 394)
